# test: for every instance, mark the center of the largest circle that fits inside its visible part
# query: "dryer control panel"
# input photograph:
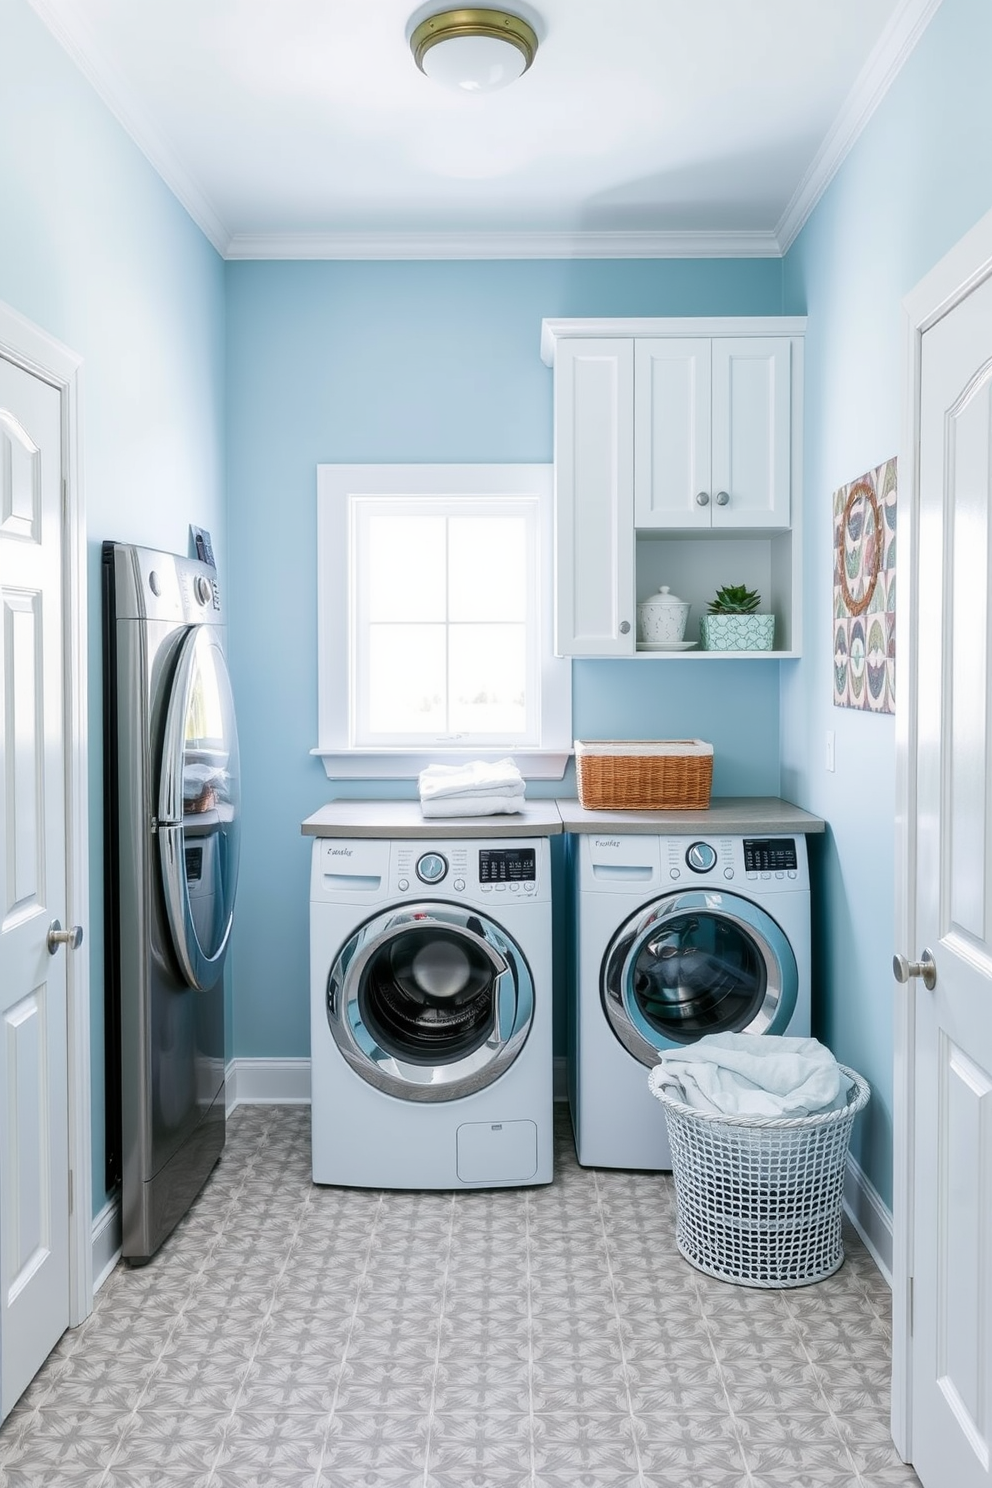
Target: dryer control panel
(625, 864)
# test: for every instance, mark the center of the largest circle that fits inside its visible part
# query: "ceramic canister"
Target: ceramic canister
(662, 618)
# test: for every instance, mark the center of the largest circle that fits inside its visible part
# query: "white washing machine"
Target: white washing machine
(676, 937)
(431, 1012)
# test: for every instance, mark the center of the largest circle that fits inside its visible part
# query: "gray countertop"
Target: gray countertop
(546, 818)
(398, 819)
(734, 814)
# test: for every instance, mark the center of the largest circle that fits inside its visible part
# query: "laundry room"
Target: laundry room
(204, 384)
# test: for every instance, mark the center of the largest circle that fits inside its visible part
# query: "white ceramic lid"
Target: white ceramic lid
(664, 597)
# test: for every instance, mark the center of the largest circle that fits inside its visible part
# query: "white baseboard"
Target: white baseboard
(286, 1082)
(106, 1241)
(267, 1082)
(870, 1216)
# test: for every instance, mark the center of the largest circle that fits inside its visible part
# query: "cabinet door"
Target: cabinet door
(672, 433)
(594, 500)
(751, 450)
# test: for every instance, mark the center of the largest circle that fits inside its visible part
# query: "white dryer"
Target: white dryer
(676, 937)
(431, 1012)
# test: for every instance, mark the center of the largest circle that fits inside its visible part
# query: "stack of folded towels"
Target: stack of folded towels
(747, 1074)
(475, 789)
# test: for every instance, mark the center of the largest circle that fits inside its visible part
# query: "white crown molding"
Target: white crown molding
(883, 66)
(78, 42)
(486, 244)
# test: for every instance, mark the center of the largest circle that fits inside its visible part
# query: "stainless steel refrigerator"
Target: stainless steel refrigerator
(172, 829)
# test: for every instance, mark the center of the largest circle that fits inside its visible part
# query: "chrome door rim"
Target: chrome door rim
(624, 1015)
(513, 1001)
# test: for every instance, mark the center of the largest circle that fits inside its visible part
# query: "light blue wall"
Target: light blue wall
(96, 251)
(414, 362)
(918, 178)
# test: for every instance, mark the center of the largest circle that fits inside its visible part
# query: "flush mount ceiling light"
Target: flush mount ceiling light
(475, 50)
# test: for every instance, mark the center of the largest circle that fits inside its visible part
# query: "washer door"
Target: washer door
(430, 1002)
(696, 963)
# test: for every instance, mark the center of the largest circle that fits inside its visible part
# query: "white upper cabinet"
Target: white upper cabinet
(712, 432)
(681, 432)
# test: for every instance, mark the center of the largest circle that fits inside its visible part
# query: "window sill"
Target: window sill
(406, 764)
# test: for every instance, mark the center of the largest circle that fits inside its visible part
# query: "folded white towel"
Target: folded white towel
(476, 778)
(488, 804)
(746, 1074)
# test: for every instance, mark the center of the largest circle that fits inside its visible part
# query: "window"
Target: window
(435, 619)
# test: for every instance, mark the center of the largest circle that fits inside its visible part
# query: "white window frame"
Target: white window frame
(338, 489)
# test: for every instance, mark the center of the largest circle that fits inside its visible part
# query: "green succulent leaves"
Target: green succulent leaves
(735, 599)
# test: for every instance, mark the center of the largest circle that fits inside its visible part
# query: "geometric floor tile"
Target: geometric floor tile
(290, 1336)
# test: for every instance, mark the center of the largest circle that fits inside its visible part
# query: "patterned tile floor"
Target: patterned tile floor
(297, 1337)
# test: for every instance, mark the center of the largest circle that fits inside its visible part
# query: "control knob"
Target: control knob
(431, 868)
(701, 857)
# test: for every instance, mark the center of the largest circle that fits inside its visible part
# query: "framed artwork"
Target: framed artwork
(864, 616)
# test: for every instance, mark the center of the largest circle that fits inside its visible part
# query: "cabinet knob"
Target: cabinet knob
(624, 627)
(703, 499)
(723, 498)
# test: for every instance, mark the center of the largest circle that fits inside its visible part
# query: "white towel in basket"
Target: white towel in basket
(747, 1074)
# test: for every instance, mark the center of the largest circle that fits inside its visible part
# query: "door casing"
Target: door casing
(38, 353)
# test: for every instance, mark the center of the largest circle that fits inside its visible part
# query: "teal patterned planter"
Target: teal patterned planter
(737, 632)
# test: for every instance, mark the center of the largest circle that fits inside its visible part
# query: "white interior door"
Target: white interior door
(952, 1182)
(34, 1161)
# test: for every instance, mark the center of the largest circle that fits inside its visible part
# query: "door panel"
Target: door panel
(952, 1243)
(34, 1161)
(594, 498)
(672, 433)
(752, 431)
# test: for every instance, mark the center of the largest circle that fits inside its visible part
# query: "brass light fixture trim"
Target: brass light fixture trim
(469, 21)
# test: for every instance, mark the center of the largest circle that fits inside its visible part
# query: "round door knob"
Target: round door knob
(926, 968)
(723, 498)
(703, 499)
(73, 937)
(625, 627)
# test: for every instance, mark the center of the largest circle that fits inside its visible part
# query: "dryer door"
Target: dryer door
(696, 963)
(199, 809)
(430, 1001)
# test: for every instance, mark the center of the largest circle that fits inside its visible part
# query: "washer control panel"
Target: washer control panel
(516, 872)
(772, 862)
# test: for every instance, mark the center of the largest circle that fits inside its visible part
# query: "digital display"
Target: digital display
(774, 855)
(507, 865)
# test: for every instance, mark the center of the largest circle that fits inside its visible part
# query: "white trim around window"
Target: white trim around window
(343, 493)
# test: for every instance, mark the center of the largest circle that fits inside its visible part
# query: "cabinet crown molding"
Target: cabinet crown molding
(647, 325)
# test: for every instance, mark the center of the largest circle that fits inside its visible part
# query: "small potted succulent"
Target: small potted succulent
(733, 625)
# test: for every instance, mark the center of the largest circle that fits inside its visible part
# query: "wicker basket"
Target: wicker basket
(644, 774)
(759, 1198)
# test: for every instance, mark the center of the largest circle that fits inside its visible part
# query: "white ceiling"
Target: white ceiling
(303, 127)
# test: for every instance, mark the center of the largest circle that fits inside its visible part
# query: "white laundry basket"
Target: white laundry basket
(759, 1198)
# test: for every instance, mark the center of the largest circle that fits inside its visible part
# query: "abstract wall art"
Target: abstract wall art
(864, 618)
